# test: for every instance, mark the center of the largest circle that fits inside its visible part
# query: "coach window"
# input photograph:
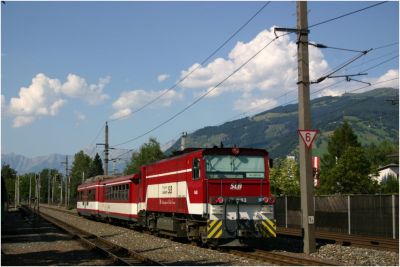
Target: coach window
(196, 169)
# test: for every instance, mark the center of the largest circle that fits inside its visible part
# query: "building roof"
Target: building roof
(391, 165)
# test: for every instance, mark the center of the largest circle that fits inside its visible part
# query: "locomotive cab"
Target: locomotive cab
(239, 205)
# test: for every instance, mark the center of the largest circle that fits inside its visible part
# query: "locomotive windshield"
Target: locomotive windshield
(226, 166)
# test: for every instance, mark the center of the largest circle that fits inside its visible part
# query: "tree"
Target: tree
(285, 178)
(96, 167)
(340, 141)
(149, 152)
(380, 155)
(80, 167)
(390, 185)
(351, 175)
(9, 175)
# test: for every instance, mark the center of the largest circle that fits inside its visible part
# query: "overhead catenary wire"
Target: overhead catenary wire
(314, 25)
(347, 14)
(342, 66)
(202, 96)
(373, 59)
(94, 140)
(194, 69)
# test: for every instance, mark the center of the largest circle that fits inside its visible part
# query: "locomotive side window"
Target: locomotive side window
(196, 169)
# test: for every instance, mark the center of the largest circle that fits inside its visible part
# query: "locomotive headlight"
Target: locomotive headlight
(266, 200)
(218, 200)
(267, 209)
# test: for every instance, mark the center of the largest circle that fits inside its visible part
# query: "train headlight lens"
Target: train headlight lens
(267, 200)
(271, 200)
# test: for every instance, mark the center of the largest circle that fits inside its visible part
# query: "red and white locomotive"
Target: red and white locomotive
(213, 195)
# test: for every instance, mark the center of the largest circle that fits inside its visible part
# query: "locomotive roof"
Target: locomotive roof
(216, 151)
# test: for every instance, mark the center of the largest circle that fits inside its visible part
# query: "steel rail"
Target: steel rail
(281, 258)
(347, 240)
(119, 254)
(373, 242)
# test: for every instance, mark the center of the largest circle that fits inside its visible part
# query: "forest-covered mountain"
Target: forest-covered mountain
(371, 114)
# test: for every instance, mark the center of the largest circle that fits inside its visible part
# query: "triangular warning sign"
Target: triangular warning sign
(308, 136)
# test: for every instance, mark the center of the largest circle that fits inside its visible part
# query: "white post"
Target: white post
(30, 190)
(393, 217)
(15, 193)
(348, 214)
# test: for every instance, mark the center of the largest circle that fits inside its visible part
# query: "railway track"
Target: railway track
(119, 255)
(348, 240)
(338, 238)
(281, 259)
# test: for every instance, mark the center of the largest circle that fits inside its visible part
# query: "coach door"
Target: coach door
(195, 187)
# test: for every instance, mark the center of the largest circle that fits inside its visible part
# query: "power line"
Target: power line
(97, 136)
(373, 59)
(384, 46)
(342, 66)
(201, 97)
(381, 63)
(195, 69)
(347, 14)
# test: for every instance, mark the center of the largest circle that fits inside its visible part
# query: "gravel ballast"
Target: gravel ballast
(174, 253)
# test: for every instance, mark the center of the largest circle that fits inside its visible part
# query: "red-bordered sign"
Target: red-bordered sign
(308, 136)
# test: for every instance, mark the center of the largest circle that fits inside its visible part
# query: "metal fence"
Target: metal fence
(372, 215)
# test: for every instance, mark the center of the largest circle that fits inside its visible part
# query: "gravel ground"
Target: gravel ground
(27, 241)
(160, 249)
(357, 256)
(174, 253)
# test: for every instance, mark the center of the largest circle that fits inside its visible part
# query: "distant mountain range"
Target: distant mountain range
(370, 114)
(24, 164)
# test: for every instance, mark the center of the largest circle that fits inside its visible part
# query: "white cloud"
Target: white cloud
(254, 104)
(76, 87)
(80, 116)
(131, 100)
(46, 96)
(272, 71)
(162, 77)
(389, 79)
(121, 114)
(20, 121)
(389, 75)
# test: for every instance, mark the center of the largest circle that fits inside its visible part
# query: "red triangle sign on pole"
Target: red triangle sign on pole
(308, 136)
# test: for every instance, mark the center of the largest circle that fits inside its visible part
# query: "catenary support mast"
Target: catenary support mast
(306, 181)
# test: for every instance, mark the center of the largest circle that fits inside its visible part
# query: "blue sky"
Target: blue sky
(67, 67)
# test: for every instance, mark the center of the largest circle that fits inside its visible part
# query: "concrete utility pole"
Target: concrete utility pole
(306, 181)
(48, 189)
(106, 150)
(106, 146)
(61, 192)
(183, 140)
(19, 196)
(36, 192)
(66, 182)
(306, 177)
(52, 189)
(16, 191)
(30, 190)
(38, 200)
